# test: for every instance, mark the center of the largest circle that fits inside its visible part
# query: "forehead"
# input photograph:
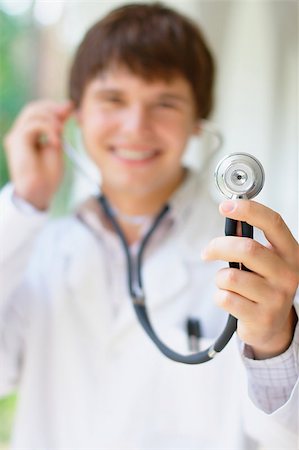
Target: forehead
(124, 80)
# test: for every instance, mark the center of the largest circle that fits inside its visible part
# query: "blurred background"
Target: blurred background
(255, 43)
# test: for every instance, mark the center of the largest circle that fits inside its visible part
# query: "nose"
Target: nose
(136, 119)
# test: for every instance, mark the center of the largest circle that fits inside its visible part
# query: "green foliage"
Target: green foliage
(7, 411)
(14, 92)
(15, 88)
(19, 45)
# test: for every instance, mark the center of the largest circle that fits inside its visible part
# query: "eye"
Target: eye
(111, 99)
(114, 100)
(167, 105)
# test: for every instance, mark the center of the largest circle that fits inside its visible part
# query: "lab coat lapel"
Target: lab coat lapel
(163, 278)
(165, 275)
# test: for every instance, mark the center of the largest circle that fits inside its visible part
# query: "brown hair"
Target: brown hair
(153, 42)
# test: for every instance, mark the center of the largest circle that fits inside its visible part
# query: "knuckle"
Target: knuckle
(250, 246)
(247, 206)
(231, 276)
(226, 278)
(291, 279)
(277, 220)
(223, 298)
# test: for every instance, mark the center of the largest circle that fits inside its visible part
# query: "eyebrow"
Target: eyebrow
(161, 96)
(108, 91)
(173, 96)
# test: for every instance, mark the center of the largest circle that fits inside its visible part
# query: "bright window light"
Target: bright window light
(15, 7)
(48, 12)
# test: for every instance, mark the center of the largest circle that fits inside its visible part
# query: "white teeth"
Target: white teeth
(134, 155)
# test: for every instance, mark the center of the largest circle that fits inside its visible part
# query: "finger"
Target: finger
(46, 107)
(41, 114)
(43, 127)
(249, 252)
(63, 110)
(54, 124)
(267, 220)
(235, 304)
(247, 284)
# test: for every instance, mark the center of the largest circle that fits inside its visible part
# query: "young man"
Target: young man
(88, 376)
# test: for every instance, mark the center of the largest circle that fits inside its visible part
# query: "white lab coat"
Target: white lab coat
(88, 376)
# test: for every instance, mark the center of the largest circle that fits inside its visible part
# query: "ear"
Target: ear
(196, 129)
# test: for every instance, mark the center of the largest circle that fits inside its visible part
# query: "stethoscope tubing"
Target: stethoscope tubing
(137, 292)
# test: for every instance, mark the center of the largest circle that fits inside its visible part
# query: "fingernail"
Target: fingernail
(228, 206)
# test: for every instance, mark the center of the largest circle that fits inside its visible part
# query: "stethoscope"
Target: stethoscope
(237, 176)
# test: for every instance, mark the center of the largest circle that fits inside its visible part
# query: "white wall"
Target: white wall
(256, 47)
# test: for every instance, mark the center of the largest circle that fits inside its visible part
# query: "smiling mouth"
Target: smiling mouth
(128, 154)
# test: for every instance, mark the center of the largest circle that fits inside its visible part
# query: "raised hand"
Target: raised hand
(34, 151)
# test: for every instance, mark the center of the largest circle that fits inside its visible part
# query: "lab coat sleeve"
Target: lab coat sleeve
(279, 429)
(18, 232)
(282, 421)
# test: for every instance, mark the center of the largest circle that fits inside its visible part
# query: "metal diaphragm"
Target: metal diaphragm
(239, 175)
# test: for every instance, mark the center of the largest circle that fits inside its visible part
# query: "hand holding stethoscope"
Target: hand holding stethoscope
(261, 299)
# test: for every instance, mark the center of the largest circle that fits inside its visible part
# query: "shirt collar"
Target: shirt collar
(90, 211)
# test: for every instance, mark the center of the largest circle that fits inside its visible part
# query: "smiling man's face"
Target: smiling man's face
(136, 131)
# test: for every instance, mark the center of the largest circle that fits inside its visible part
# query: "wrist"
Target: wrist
(280, 342)
(36, 202)
(26, 206)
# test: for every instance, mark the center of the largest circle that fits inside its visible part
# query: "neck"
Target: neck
(133, 203)
(133, 210)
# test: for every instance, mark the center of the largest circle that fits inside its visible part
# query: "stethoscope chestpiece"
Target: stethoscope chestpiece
(239, 175)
